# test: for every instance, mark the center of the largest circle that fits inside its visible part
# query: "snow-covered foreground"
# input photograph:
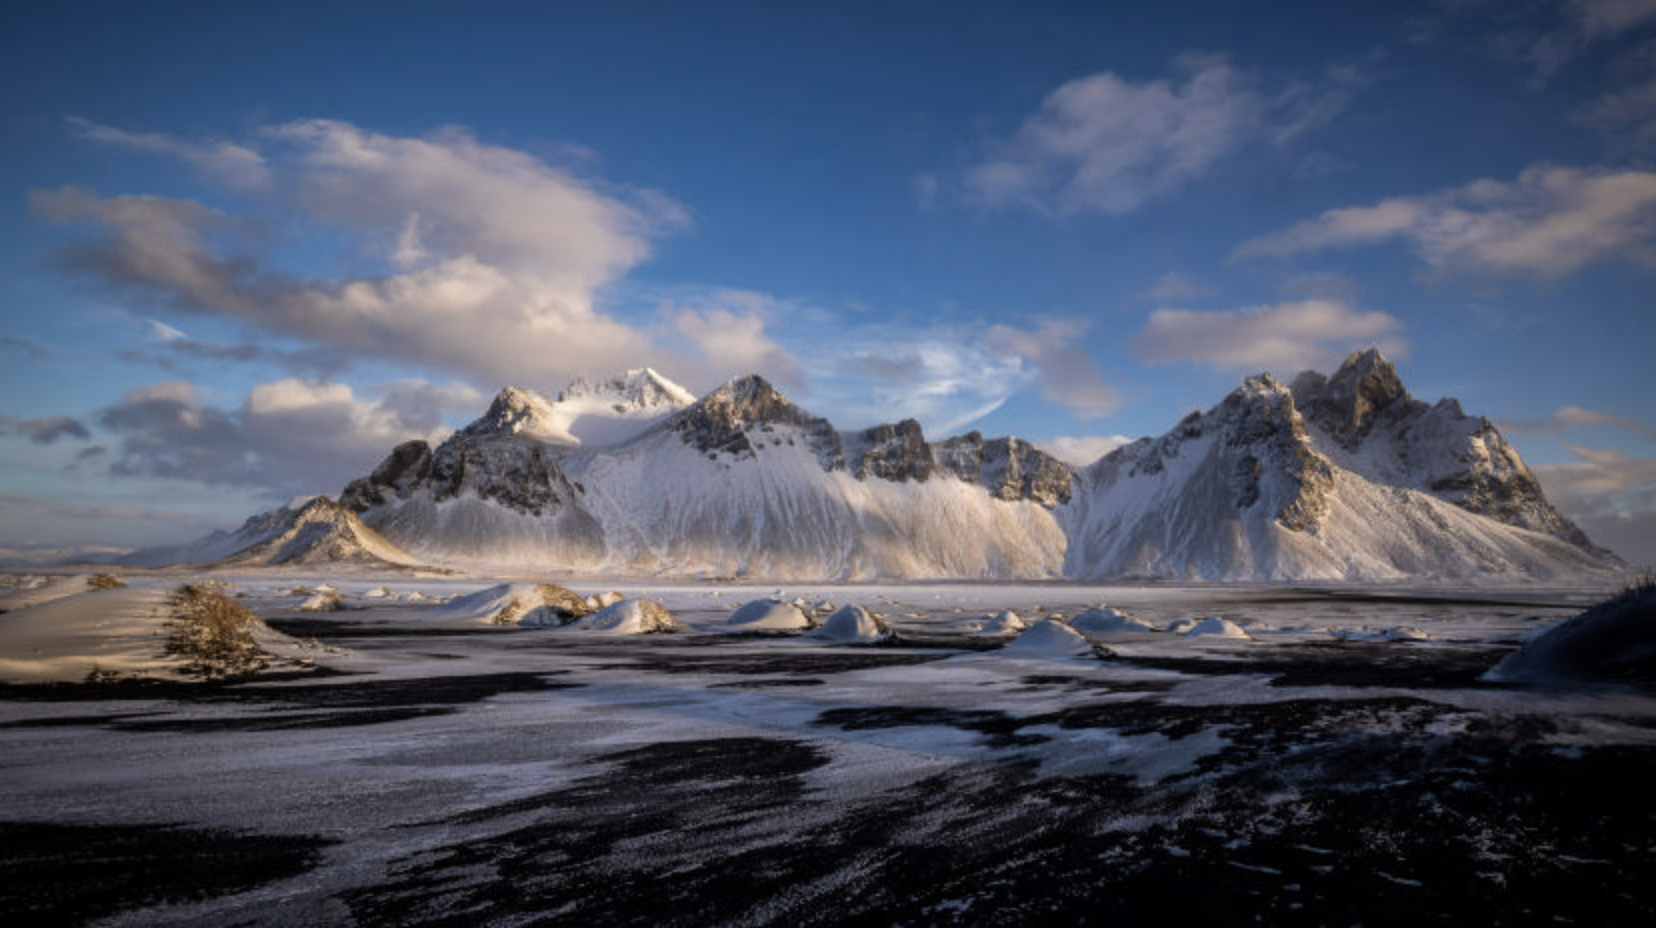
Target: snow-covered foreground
(1341, 763)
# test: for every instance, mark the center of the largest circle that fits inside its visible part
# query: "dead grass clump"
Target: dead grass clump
(215, 633)
(105, 582)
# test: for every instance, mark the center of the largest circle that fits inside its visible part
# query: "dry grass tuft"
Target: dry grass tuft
(215, 633)
(105, 582)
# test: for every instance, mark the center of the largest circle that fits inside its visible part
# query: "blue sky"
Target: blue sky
(249, 247)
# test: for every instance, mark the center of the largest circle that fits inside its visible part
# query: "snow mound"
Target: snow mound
(119, 633)
(603, 600)
(323, 601)
(1398, 633)
(1049, 639)
(630, 617)
(1005, 622)
(377, 593)
(852, 625)
(1215, 627)
(1613, 642)
(1109, 623)
(768, 615)
(519, 604)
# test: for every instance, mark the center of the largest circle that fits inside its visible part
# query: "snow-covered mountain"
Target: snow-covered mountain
(1368, 484)
(308, 530)
(1336, 477)
(585, 413)
(741, 482)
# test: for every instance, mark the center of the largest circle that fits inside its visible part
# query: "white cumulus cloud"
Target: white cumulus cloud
(1551, 222)
(1106, 143)
(1284, 338)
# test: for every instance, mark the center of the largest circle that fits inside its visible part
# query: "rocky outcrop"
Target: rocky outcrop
(1367, 421)
(741, 416)
(1010, 469)
(890, 452)
(406, 467)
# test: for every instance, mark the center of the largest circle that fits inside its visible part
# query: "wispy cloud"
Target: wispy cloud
(1174, 287)
(1612, 495)
(1551, 222)
(1284, 338)
(1105, 143)
(27, 347)
(1573, 418)
(45, 431)
(1542, 35)
(228, 162)
(1064, 372)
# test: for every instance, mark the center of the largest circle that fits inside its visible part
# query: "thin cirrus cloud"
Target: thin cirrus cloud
(1544, 35)
(1571, 418)
(1108, 144)
(287, 436)
(1551, 222)
(228, 162)
(48, 429)
(489, 259)
(1284, 338)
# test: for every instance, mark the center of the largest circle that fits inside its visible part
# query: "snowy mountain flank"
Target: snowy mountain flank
(307, 531)
(1342, 477)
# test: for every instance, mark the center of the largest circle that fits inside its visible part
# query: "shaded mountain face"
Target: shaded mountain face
(1335, 477)
(1369, 423)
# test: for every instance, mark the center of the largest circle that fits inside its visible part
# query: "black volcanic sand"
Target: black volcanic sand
(73, 874)
(1303, 820)
(1385, 809)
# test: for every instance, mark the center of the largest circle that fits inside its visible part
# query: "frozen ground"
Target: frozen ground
(1332, 768)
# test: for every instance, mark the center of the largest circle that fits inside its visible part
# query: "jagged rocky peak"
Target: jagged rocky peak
(638, 389)
(516, 411)
(1369, 423)
(1364, 390)
(890, 452)
(722, 421)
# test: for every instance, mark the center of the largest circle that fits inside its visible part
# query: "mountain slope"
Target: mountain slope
(1250, 491)
(1364, 419)
(306, 531)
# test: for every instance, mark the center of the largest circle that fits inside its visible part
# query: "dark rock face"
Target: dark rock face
(519, 475)
(1008, 468)
(522, 475)
(1364, 409)
(1364, 390)
(406, 467)
(726, 420)
(892, 452)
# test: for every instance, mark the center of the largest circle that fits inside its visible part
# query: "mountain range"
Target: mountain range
(1328, 478)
